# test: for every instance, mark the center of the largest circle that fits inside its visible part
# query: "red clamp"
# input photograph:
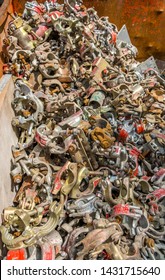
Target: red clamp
(113, 38)
(156, 195)
(48, 251)
(128, 210)
(19, 254)
(39, 9)
(57, 182)
(95, 182)
(123, 135)
(139, 127)
(135, 154)
(40, 140)
(41, 30)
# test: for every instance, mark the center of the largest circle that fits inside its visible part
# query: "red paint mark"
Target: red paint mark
(121, 209)
(40, 140)
(146, 178)
(160, 172)
(19, 254)
(157, 194)
(48, 254)
(57, 182)
(123, 134)
(95, 182)
(113, 38)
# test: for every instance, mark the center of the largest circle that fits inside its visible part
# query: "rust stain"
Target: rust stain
(4, 20)
(145, 20)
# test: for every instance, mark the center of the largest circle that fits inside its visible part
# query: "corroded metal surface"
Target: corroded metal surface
(5, 9)
(89, 165)
(145, 21)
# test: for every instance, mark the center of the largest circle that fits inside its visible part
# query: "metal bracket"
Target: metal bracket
(123, 35)
(149, 63)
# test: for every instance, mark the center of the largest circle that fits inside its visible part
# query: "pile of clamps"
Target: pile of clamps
(89, 165)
